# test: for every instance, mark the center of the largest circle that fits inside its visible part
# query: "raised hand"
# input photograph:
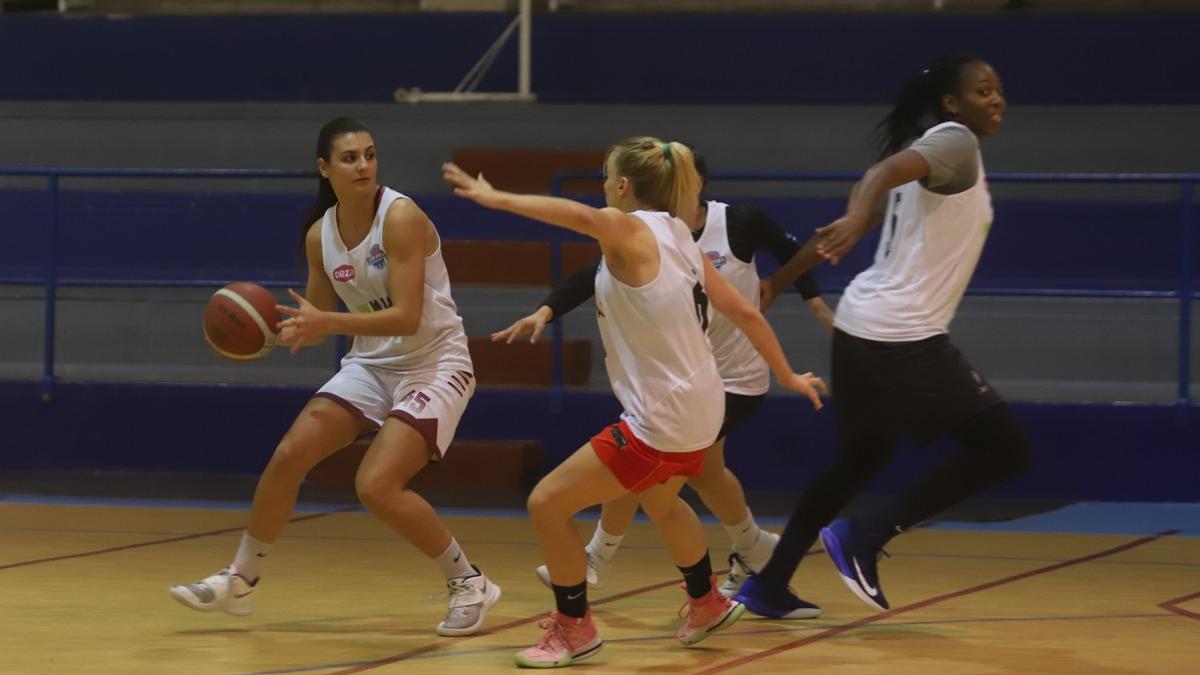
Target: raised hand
(304, 324)
(476, 189)
(808, 384)
(839, 237)
(533, 324)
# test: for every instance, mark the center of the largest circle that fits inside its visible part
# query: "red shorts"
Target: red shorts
(638, 466)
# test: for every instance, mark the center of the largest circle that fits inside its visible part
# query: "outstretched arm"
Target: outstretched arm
(608, 226)
(571, 293)
(838, 238)
(726, 299)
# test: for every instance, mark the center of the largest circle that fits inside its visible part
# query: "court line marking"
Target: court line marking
(751, 632)
(1173, 606)
(874, 618)
(126, 547)
(413, 653)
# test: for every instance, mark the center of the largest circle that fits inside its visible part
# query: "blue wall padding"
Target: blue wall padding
(1096, 58)
(1097, 451)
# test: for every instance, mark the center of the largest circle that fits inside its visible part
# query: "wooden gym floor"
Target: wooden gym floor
(83, 589)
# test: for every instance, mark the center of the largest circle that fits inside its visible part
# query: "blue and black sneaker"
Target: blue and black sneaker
(774, 604)
(855, 558)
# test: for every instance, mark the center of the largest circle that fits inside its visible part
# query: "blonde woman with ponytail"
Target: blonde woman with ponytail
(653, 289)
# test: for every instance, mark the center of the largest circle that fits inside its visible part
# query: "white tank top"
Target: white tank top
(743, 370)
(928, 249)
(359, 276)
(659, 360)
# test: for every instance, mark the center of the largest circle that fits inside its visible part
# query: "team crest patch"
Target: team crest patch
(376, 257)
(715, 258)
(343, 273)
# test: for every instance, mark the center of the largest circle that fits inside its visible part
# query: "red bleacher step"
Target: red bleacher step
(512, 263)
(529, 365)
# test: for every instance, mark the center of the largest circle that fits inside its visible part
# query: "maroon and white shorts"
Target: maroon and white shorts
(432, 401)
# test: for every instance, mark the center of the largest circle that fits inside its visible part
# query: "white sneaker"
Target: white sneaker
(470, 599)
(744, 563)
(597, 571)
(226, 591)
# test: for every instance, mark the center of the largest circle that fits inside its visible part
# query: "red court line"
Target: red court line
(502, 627)
(155, 542)
(838, 630)
(1173, 606)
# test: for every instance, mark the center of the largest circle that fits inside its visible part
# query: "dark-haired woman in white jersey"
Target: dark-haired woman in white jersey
(408, 377)
(895, 370)
(652, 295)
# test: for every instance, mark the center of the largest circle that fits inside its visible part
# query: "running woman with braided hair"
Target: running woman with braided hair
(895, 370)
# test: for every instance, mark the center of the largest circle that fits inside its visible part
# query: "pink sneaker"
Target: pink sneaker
(565, 641)
(707, 615)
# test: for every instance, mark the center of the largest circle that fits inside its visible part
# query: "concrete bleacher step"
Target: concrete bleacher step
(507, 465)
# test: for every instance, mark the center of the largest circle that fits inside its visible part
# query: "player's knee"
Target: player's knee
(374, 488)
(291, 460)
(1003, 440)
(1018, 450)
(540, 502)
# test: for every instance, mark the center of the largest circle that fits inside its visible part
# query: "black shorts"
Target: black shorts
(739, 408)
(925, 388)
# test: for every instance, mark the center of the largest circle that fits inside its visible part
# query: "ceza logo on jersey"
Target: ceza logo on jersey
(343, 273)
(717, 260)
(376, 257)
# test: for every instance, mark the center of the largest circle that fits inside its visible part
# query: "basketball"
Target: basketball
(240, 320)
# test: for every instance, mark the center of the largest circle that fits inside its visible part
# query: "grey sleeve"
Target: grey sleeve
(953, 156)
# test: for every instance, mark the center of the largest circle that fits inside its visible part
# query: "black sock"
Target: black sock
(698, 577)
(571, 600)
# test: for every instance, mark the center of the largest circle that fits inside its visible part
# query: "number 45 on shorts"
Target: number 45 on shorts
(414, 400)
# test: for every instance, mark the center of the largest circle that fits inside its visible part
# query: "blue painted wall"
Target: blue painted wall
(1082, 451)
(1140, 58)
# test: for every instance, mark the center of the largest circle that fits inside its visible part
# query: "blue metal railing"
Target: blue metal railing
(1184, 293)
(52, 281)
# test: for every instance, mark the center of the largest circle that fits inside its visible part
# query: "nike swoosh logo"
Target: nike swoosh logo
(862, 580)
(609, 544)
(457, 557)
(242, 595)
(576, 596)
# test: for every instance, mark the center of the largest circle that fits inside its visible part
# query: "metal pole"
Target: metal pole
(51, 293)
(1183, 401)
(525, 62)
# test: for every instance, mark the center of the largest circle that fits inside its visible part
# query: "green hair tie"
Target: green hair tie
(666, 148)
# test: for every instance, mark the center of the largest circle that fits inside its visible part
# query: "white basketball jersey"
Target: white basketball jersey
(928, 249)
(743, 370)
(359, 276)
(658, 359)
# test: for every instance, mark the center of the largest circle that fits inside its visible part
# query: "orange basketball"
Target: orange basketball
(239, 321)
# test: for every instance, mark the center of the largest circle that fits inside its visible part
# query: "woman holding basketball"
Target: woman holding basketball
(729, 236)
(408, 377)
(895, 370)
(652, 295)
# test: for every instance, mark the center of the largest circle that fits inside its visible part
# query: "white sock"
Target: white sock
(743, 534)
(249, 554)
(604, 545)
(453, 562)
